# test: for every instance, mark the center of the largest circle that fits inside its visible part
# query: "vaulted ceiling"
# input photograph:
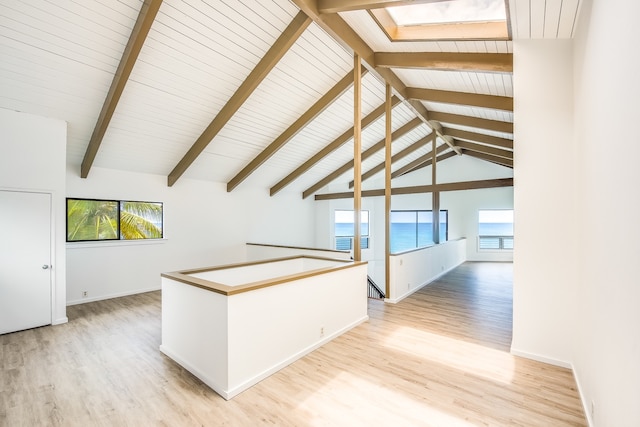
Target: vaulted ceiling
(259, 93)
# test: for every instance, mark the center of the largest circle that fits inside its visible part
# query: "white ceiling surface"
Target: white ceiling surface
(59, 58)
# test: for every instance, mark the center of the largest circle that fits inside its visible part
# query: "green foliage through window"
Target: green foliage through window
(89, 220)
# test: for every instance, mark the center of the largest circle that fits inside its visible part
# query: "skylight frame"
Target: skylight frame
(453, 31)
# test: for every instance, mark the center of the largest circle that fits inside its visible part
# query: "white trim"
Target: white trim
(417, 288)
(231, 393)
(585, 405)
(540, 358)
(117, 295)
(114, 242)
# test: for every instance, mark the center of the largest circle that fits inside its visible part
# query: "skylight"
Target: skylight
(444, 12)
(445, 20)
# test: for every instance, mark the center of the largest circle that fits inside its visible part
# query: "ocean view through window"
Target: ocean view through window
(344, 229)
(414, 229)
(495, 229)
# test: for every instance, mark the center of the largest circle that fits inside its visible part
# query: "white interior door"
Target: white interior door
(25, 260)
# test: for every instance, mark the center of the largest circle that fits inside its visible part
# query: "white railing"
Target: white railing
(495, 243)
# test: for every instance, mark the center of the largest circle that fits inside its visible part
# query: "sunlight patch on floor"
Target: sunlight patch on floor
(475, 359)
(355, 396)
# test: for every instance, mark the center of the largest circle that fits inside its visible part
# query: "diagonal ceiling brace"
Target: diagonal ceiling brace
(398, 133)
(147, 15)
(327, 99)
(261, 70)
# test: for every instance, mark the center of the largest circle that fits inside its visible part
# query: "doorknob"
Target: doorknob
(45, 267)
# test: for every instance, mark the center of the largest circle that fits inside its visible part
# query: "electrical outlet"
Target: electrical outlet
(321, 331)
(85, 294)
(593, 410)
(408, 286)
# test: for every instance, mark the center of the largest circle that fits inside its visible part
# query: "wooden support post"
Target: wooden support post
(387, 191)
(435, 196)
(357, 160)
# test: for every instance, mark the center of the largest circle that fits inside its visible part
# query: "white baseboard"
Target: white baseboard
(417, 288)
(230, 392)
(585, 404)
(60, 321)
(540, 358)
(116, 295)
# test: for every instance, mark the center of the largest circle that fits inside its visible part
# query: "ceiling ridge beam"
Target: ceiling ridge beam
(479, 137)
(461, 98)
(331, 147)
(399, 155)
(287, 39)
(485, 149)
(318, 107)
(482, 62)
(488, 157)
(404, 129)
(420, 162)
(430, 188)
(146, 17)
(337, 28)
(470, 121)
(335, 6)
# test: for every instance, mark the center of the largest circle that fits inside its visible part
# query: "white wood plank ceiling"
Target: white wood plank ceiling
(59, 59)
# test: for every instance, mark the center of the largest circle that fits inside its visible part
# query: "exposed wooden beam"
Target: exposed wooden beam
(440, 158)
(488, 157)
(479, 137)
(146, 16)
(365, 155)
(331, 147)
(480, 148)
(335, 26)
(261, 70)
(327, 99)
(461, 98)
(420, 162)
(335, 6)
(483, 62)
(399, 155)
(475, 122)
(449, 186)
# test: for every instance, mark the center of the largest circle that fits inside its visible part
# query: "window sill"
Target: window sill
(112, 243)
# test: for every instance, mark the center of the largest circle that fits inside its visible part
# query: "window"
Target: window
(444, 20)
(90, 220)
(495, 229)
(344, 229)
(414, 229)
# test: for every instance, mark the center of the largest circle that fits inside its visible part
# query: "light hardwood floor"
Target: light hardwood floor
(438, 358)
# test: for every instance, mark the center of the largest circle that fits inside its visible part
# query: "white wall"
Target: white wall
(258, 332)
(204, 226)
(413, 270)
(607, 89)
(32, 157)
(576, 293)
(544, 285)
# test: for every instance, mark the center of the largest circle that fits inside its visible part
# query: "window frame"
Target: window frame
(363, 237)
(119, 237)
(501, 238)
(417, 211)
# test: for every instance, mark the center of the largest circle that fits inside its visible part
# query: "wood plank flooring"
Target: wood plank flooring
(438, 358)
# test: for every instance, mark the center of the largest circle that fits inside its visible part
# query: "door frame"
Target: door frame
(52, 245)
